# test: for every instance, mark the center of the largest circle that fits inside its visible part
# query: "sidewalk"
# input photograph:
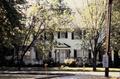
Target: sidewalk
(38, 76)
(58, 69)
(112, 74)
(27, 76)
(41, 73)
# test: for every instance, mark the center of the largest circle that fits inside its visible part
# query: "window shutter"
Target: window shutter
(84, 33)
(52, 36)
(58, 34)
(50, 54)
(75, 53)
(72, 35)
(45, 36)
(80, 34)
(66, 35)
(89, 55)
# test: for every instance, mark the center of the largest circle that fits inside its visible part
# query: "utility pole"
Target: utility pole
(108, 26)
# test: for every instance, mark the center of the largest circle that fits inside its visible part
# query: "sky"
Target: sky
(74, 5)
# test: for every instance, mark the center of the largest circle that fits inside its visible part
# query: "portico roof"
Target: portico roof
(62, 46)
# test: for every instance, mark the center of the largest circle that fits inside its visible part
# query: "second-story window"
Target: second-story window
(77, 34)
(47, 36)
(62, 35)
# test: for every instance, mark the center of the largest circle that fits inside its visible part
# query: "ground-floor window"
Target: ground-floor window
(62, 54)
(67, 53)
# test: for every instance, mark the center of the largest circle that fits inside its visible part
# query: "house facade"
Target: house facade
(69, 45)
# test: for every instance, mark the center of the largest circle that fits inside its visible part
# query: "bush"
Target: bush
(70, 62)
(49, 61)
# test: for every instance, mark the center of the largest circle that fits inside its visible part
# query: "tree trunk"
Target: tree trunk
(94, 64)
(116, 58)
(95, 52)
(94, 60)
(28, 47)
(20, 63)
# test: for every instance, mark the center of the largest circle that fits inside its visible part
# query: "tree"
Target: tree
(22, 28)
(9, 21)
(93, 20)
(115, 32)
(41, 16)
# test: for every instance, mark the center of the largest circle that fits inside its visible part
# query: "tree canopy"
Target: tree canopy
(93, 19)
(22, 24)
(115, 28)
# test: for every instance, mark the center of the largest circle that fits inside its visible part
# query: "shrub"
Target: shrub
(70, 62)
(49, 61)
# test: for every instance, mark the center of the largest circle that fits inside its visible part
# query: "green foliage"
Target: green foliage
(70, 62)
(9, 20)
(10, 27)
(93, 17)
(42, 16)
(93, 21)
(23, 26)
(115, 28)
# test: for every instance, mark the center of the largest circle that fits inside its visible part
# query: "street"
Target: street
(56, 75)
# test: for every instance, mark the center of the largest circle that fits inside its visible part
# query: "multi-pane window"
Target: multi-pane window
(77, 34)
(68, 53)
(48, 36)
(62, 34)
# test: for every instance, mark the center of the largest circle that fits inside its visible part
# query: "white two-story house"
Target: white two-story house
(70, 45)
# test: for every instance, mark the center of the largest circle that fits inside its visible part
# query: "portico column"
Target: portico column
(72, 53)
(53, 53)
(33, 55)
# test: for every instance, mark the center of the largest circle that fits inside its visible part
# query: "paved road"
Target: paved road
(36, 76)
(84, 77)
(26, 76)
(56, 75)
(112, 74)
